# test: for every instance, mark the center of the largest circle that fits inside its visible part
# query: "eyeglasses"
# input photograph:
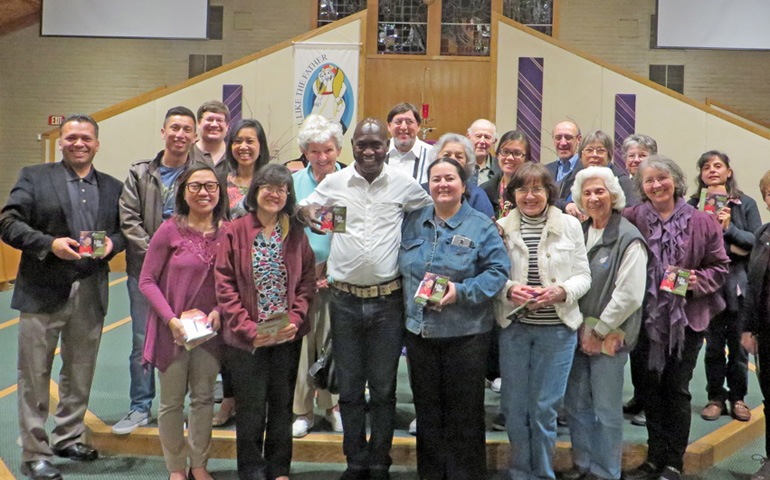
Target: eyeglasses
(273, 190)
(599, 151)
(533, 190)
(195, 187)
(504, 152)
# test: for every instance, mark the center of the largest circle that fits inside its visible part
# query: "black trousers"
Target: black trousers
(666, 399)
(763, 374)
(263, 386)
(725, 329)
(448, 388)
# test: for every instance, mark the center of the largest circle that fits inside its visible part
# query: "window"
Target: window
(537, 14)
(402, 26)
(333, 10)
(671, 76)
(215, 23)
(466, 27)
(202, 63)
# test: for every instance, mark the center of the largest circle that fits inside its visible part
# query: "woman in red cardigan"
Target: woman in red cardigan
(265, 275)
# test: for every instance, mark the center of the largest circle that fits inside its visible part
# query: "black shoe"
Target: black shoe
(633, 406)
(645, 471)
(77, 451)
(355, 474)
(670, 473)
(40, 470)
(499, 423)
(640, 419)
(573, 474)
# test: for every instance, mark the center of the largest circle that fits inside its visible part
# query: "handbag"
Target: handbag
(324, 372)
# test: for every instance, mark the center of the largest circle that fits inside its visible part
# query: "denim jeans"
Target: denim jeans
(142, 389)
(368, 334)
(535, 362)
(594, 402)
(725, 330)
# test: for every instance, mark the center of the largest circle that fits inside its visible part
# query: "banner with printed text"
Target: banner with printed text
(326, 82)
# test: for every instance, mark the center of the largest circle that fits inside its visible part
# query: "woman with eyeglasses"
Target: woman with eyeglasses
(265, 275)
(539, 316)
(513, 150)
(178, 276)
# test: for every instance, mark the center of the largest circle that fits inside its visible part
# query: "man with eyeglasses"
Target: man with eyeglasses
(483, 135)
(148, 200)
(566, 137)
(213, 123)
(406, 152)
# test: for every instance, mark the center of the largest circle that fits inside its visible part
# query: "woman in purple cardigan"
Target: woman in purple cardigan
(177, 276)
(677, 235)
(265, 274)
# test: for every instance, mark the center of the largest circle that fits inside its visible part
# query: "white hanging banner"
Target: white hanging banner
(326, 82)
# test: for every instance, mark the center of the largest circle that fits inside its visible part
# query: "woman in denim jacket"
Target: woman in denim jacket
(447, 341)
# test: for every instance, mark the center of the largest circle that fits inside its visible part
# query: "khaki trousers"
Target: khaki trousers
(312, 344)
(194, 371)
(79, 324)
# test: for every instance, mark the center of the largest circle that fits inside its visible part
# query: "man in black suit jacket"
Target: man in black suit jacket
(59, 292)
(566, 137)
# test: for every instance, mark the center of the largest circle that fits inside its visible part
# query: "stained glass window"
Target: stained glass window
(333, 10)
(537, 14)
(402, 26)
(466, 27)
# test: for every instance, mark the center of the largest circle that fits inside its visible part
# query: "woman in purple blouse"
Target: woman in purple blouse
(677, 235)
(177, 276)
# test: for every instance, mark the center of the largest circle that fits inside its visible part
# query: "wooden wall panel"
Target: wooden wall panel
(458, 90)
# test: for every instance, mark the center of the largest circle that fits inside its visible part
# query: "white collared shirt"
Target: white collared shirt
(367, 253)
(405, 162)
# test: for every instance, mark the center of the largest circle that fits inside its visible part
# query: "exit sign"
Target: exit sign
(55, 119)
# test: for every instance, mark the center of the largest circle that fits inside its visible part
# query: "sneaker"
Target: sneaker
(335, 420)
(131, 422)
(764, 472)
(713, 410)
(645, 471)
(302, 426)
(640, 420)
(574, 474)
(670, 473)
(495, 387)
(413, 427)
(499, 423)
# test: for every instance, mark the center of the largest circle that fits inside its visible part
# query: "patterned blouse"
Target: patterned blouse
(270, 273)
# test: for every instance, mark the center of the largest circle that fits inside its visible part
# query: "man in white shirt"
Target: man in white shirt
(406, 152)
(367, 303)
(483, 135)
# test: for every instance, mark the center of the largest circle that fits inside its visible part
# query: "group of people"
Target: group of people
(552, 276)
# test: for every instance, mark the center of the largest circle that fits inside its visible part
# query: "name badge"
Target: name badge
(460, 241)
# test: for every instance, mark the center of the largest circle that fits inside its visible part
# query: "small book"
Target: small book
(93, 244)
(613, 341)
(333, 218)
(675, 280)
(196, 327)
(273, 323)
(431, 290)
(712, 203)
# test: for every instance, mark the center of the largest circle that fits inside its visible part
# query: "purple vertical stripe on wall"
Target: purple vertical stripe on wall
(232, 96)
(625, 123)
(529, 118)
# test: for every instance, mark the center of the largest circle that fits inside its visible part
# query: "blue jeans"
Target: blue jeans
(535, 362)
(594, 402)
(142, 389)
(368, 334)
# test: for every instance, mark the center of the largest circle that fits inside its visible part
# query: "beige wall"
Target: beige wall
(581, 90)
(56, 76)
(618, 31)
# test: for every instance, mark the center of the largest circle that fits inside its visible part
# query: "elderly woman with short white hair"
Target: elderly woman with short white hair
(612, 314)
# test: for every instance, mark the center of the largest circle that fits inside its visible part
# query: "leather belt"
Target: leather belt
(370, 291)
